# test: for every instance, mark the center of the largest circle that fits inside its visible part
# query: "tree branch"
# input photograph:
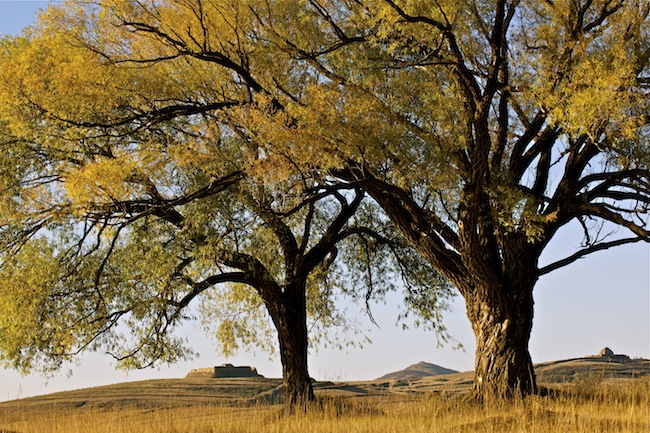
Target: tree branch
(601, 211)
(201, 286)
(586, 251)
(328, 241)
(165, 208)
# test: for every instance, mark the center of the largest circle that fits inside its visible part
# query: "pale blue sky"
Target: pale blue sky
(602, 300)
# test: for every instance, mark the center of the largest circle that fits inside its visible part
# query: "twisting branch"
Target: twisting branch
(143, 119)
(201, 286)
(134, 210)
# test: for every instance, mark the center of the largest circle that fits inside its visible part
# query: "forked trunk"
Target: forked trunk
(502, 322)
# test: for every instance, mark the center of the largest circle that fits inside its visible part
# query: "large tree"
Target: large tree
(140, 169)
(482, 128)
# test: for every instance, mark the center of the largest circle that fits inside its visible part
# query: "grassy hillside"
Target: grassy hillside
(580, 368)
(583, 407)
(596, 398)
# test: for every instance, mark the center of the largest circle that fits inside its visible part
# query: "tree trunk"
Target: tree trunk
(502, 319)
(494, 272)
(291, 325)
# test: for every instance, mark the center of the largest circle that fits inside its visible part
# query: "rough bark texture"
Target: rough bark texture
(502, 323)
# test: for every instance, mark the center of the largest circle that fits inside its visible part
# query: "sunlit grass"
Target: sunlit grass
(575, 408)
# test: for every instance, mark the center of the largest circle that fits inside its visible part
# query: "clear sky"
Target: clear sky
(602, 300)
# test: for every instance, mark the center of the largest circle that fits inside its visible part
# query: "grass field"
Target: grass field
(585, 406)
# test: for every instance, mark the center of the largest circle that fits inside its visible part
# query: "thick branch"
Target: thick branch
(201, 286)
(601, 211)
(543, 142)
(256, 274)
(428, 234)
(517, 162)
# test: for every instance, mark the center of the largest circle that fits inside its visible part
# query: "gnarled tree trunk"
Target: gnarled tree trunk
(502, 319)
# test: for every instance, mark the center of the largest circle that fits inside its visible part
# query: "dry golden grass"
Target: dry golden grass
(583, 407)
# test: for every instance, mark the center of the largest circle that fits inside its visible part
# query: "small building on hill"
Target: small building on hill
(224, 370)
(607, 353)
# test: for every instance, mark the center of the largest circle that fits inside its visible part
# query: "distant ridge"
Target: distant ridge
(424, 378)
(421, 369)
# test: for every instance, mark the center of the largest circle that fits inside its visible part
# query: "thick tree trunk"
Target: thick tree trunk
(298, 387)
(291, 325)
(502, 320)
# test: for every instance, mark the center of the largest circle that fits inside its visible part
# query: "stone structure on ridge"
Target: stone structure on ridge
(606, 352)
(609, 354)
(224, 370)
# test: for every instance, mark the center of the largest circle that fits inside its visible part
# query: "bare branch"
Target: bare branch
(586, 251)
(601, 211)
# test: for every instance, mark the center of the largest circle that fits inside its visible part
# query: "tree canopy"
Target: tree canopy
(139, 171)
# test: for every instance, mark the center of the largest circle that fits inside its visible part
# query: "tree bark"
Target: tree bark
(502, 319)
(291, 324)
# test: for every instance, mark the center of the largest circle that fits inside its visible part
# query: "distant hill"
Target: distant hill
(604, 366)
(421, 369)
(599, 367)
